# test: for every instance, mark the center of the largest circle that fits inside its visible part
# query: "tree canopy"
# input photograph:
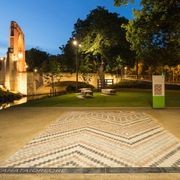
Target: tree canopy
(68, 56)
(41, 60)
(35, 58)
(154, 32)
(122, 2)
(102, 40)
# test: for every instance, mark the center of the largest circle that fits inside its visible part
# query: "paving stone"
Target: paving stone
(91, 140)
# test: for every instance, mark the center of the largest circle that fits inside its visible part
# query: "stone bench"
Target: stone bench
(108, 91)
(86, 92)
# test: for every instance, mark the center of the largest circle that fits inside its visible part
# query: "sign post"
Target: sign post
(158, 91)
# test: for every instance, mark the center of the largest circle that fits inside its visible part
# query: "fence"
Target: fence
(104, 83)
(168, 79)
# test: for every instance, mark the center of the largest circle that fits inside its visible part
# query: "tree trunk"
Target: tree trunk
(52, 84)
(101, 74)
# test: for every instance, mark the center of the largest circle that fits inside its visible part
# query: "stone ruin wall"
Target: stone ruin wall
(39, 84)
(15, 75)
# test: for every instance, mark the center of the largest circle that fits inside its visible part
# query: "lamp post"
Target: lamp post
(125, 71)
(77, 45)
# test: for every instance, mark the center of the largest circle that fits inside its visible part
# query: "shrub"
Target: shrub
(172, 86)
(141, 84)
(71, 85)
(6, 96)
(132, 84)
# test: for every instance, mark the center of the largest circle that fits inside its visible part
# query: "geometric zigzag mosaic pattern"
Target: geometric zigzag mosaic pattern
(100, 139)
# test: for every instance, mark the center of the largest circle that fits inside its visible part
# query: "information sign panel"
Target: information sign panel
(158, 91)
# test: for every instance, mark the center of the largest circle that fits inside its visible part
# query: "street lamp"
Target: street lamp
(35, 70)
(20, 55)
(1, 58)
(77, 45)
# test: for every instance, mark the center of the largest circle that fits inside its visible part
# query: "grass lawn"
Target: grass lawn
(124, 98)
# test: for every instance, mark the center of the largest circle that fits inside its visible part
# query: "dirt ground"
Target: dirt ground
(19, 125)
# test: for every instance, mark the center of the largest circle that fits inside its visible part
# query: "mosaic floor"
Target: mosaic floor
(100, 139)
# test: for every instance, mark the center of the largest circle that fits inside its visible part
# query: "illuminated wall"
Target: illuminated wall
(2, 70)
(16, 75)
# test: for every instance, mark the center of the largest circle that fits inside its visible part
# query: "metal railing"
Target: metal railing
(169, 79)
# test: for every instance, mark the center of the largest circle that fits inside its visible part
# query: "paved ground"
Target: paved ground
(19, 126)
(95, 139)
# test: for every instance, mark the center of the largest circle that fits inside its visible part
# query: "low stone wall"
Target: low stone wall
(34, 82)
(90, 78)
(37, 83)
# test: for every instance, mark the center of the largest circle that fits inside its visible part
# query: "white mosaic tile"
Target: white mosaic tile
(100, 139)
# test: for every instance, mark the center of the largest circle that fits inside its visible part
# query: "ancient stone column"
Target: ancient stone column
(16, 76)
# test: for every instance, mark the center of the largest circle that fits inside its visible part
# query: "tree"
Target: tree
(154, 32)
(68, 57)
(35, 58)
(122, 2)
(45, 63)
(54, 69)
(103, 39)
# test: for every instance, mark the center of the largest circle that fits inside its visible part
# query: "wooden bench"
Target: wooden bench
(108, 91)
(86, 92)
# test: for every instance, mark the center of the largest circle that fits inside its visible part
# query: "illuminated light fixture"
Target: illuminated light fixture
(27, 66)
(35, 70)
(80, 45)
(75, 43)
(15, 58)
(2, 58)
(20, 55)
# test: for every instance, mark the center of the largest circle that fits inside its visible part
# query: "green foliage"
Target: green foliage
(43, 61)
(68, 57)
(122, 2)
(7, 96)
(154, 32)
(102, 42)
(35, 58)
(101, 36)
(132, 84)
(54, 65)
(71, 85)
(102, 39)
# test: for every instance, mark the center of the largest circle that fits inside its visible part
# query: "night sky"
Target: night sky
(48, 24)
